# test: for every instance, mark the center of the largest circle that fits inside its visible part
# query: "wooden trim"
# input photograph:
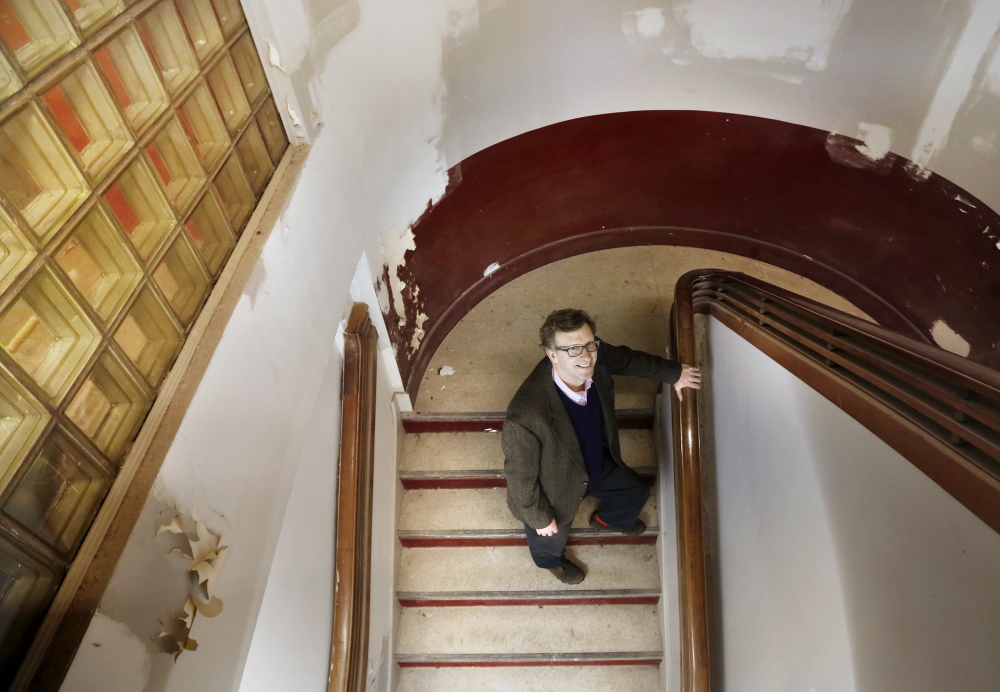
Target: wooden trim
(349, 654)
(54, 646)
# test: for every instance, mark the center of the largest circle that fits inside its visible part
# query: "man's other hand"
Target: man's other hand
(690, 377)
(549, 530)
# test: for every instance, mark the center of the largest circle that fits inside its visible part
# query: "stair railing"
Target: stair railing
(938, 410)
(349, 651)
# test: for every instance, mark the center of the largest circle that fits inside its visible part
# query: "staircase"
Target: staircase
(476, 612)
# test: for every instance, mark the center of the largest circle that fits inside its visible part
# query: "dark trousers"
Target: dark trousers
(623, 494)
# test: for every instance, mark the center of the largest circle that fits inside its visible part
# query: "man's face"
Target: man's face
(573, 371)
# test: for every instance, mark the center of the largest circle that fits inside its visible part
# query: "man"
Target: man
(560, 438)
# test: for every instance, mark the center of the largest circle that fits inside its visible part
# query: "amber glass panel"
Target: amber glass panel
(149, 337)
(272, 130)
(141, 208)
(237, 197)
(254, 157)
(98, 262)
(87, 115)
(16, 251)
(36, 31)
(203, 27)
(163, 32)
(230, 15)
(209, 231)
(228, 92)
(201, 120)
(176, 162)
(93, 14)
(37, 174)
(132, 77)
(48, 334)
(58, 494)
(9, 82)
(182, 279)
(109, 406)
(248, 65)
(26, 587)
(22, 421)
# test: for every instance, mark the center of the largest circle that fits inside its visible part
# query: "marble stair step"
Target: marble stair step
(515, 537)
(510, 569)
(517, 630)
(496, 676)
(440, 599)
(481, 509)
(479, 451)
(493, 391)
(492, 421)
(486, 478)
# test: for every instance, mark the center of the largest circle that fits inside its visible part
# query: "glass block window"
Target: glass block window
(136, 139)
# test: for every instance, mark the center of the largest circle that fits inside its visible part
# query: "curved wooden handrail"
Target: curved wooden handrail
(938, 410)
(349, 654)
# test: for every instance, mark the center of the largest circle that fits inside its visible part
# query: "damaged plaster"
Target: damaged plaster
(946, 337)
(789, 31)
(955, 86)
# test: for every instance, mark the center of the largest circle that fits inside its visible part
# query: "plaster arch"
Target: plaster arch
(910, 249)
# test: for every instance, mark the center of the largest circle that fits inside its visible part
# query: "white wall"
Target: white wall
(918, 77)
(842, 567)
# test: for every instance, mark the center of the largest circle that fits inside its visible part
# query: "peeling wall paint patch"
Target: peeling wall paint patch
(946, 337)
(957, 82)
(797, 31)
(876, 140)
(848, 151)
(644, 24)
(492, 268)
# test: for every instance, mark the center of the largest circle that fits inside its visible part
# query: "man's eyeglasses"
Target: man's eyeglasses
(574, 351)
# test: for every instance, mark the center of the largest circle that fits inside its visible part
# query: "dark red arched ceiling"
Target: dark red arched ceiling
(907, 249)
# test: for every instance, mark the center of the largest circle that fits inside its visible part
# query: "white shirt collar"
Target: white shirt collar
(576, 397)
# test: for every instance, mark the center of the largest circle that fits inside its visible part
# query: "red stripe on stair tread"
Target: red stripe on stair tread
(633, 419)
(463, 542)
(444, 482)
(585, 600)
(508, 664)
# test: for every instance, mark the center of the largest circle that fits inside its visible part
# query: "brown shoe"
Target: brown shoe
(597, 525)
(568, 573)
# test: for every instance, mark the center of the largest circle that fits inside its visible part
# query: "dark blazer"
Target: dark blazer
(546, 474)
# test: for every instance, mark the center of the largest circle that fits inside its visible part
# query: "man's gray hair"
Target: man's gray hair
(565, 320)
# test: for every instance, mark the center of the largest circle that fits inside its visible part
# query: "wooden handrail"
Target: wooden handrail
(349, 654)
(938, 410)
(692, 572)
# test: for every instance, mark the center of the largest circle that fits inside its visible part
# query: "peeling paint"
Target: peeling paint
(490, 269)
(274, 57)
(877, 139)
(446, 370)
(958, 79)
(848, 151)
(644, 24)
(946, 337)
(793, 31)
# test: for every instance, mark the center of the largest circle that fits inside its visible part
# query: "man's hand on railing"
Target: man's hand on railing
(690, 378)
